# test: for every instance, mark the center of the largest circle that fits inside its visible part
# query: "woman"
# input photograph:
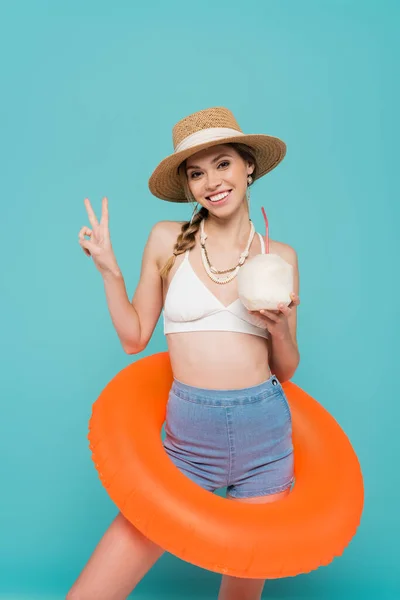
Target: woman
(228, 421)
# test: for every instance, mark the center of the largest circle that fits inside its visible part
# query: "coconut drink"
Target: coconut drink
(266, 280)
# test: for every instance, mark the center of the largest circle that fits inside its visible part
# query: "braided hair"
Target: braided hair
(186, 240)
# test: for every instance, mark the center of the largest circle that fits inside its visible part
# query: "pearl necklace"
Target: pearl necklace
(212, 271)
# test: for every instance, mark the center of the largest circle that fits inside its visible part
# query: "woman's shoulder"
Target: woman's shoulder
(163, 238)
(166, 232)
(168, 227)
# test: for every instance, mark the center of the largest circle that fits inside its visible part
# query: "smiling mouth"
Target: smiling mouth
(216, 198)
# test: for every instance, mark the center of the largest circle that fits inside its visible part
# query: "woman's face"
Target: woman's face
(217, 178)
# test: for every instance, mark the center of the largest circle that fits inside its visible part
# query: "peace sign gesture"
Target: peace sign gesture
(99, 244)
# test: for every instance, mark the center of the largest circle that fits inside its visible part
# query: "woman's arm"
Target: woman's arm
(285, 358)
(135, 320)
(283, 349)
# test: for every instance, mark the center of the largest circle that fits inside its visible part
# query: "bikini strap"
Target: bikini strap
(262, 243)
(266, 230)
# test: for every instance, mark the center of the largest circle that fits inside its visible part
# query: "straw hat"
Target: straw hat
(204, 129)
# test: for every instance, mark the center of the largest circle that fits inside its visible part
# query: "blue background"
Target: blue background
(90, 92)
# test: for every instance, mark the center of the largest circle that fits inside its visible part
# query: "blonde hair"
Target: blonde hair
(186, 240)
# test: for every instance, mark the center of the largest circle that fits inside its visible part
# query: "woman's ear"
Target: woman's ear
(250, 168)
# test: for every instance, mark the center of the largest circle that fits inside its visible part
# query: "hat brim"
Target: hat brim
(166, 184)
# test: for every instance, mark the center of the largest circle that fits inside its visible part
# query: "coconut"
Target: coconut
(266, 280)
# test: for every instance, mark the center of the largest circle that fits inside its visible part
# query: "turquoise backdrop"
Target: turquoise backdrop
(90, 91)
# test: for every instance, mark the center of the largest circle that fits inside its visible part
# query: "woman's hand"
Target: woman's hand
(99, 244)
(276, 321)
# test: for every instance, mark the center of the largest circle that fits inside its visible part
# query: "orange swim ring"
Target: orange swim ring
(302, 532)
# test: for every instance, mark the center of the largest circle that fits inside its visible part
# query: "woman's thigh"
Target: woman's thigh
(121, 558)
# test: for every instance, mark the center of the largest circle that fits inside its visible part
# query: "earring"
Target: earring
(249, 182)
(248, 197)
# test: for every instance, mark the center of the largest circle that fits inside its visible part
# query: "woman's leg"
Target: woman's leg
(120, 560)
(238, 588)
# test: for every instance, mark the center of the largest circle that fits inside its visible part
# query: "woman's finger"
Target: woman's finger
(104, 212)
(295, 300)
(269, 314)
(92, 217)
(85, 250)
(84, 231)
(87, 246)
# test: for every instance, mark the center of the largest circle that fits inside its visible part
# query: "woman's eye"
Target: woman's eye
(196, 174)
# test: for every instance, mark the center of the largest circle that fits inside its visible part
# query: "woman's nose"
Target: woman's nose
(213, 182)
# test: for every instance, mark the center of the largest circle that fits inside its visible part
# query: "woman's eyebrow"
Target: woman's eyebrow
(213, 161)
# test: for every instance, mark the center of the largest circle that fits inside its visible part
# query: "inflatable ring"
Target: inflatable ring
(302, 532)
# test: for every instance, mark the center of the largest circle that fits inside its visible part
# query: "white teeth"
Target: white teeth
(218, 197)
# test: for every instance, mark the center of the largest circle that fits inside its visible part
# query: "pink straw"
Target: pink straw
(266, 231)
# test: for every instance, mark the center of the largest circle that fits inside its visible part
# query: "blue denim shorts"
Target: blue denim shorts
(240, 439)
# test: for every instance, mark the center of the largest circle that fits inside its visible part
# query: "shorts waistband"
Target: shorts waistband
(228, 397)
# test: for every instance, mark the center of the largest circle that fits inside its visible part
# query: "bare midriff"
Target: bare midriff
(218, 359)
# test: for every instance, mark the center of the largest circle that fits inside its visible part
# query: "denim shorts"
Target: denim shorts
(240, 439)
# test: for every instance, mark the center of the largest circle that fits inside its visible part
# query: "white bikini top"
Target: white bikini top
(190, 306)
